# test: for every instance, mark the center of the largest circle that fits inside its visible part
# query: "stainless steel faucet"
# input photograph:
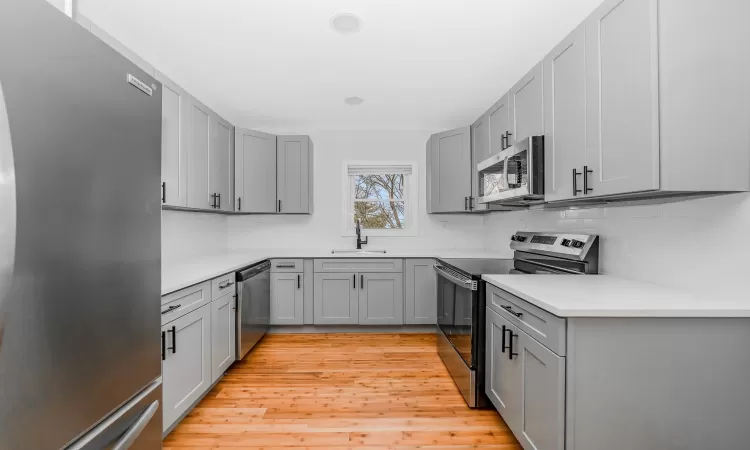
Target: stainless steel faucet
(359, 236)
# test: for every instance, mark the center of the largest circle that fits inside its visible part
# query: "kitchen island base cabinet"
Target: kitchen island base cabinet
(420, 302)
(335, 299)
(223, 329)
(186, 362)
(287, 298)
(381, 299)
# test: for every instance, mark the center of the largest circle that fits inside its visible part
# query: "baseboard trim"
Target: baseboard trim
(313, 329)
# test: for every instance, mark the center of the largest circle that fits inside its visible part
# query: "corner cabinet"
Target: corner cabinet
(294, 174)
(255, 171)
(449, 171)
(186, 362)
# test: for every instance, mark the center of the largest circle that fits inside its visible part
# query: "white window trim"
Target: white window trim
(410, 212)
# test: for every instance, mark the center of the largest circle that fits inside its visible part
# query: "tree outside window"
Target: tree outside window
(380, 200)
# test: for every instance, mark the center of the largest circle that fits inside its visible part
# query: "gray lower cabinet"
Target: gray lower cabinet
(186, 362)
(381, 299)
(287, 298)
(223, 331)
(526, 383)
(336, 299)
(420, 301)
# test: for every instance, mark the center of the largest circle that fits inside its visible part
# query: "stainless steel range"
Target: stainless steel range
(461, 297)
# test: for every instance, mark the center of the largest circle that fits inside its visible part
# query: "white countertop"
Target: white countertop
(190, 270)
(608, 296)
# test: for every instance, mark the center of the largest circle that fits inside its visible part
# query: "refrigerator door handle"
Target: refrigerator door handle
(132, 434)
(8, 215)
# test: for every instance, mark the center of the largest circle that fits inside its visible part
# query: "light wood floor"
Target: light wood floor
(337, 391)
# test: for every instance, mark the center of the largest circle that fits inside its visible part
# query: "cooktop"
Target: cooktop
(477, 267)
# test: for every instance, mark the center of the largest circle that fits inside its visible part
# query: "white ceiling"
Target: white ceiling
(418, 64)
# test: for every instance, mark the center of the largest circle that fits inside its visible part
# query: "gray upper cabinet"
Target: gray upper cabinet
(287, 297)
(198, 150)
(527, 106)
(450, 171)
(294, 165)
(565, 117)
(420, 302)
(336, 299)
(542, 394)
(222, 335)
(174, 142)
(221, 158)
(381, 299)
(623, 97)
(255, 171)
(186, 365)
(498, 118)
(480, 151)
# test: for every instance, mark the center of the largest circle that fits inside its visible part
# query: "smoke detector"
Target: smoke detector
(353, 101)
(346, 23)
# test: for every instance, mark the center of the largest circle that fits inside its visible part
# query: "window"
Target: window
(382, 197)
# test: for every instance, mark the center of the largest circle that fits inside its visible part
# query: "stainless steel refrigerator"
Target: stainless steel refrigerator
(80, 238)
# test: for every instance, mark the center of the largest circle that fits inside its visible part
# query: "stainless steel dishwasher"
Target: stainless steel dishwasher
(253, 305)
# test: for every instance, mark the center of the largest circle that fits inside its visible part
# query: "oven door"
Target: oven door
(456, 303)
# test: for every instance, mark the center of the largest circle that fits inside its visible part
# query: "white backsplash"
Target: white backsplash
(185, 234)
(696, 244)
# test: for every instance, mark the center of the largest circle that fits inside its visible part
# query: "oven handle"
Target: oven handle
(557, 270)
(455, 277)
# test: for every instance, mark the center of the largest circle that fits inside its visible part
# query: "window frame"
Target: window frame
(411, 199)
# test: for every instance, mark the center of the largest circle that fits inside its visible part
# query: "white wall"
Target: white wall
(322, 230)
(699, 244)
(185, 234)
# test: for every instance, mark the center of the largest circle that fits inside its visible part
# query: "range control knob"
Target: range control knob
(517, 238)
(565, 243)
(577, 244)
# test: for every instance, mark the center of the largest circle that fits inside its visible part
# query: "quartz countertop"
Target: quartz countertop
(180, 273)
(609, 296)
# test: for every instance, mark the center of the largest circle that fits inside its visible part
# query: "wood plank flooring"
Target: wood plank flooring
(340, 391)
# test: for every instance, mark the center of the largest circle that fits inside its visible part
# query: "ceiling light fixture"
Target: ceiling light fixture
(353, 101)
(346, 23)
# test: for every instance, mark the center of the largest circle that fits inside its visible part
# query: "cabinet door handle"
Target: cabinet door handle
(361, 281)
(586, 173)
(511, 353)
(471, 203)
(507, 139)
(213, 200)
(174, 339)
(218, 200)
(576, 191)
(225, 285)
(163, 345)
(299, 281)
(163, 192)
(279, 205)
(354, 280)
(510, 310)
(466, 203)
(239, 203)
(503, 340)
(502, 141)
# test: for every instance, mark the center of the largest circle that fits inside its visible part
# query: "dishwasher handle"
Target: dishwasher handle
(252, 271)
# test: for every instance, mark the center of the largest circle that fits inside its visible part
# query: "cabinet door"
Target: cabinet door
(200, 125)
(174, 142)
(623, 97)
(287, 299)
(335, 301)
(480, 151)
(420, 302)
(381, 299)
(222, 344)
(293, 174)
(255, 171)
(503, 374)
(186, 368)
(219, 165)
(450, 170)
(527, 106)
(565, 112)
(543, 397)
(498, 119)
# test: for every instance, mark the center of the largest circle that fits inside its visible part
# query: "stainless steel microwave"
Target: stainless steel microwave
(514, 176)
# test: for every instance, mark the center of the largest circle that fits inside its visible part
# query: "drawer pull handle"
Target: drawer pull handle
(285, 266)
(170, 309)
(225, 285)
(510, 310)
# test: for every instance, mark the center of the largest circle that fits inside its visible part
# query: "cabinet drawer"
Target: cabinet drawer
(223, 285)
(286, 265)
(359, 265)
(179, 303)
(543, 326)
